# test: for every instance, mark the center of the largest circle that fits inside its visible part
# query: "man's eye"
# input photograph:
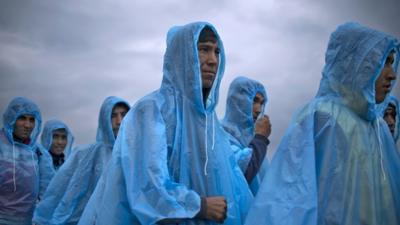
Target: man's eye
(389, 60)
(217, 51)
(203, 49)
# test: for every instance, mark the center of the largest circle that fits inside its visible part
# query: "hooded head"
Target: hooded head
(182, 67)
(238, 120)
(18, 107)
(105, 132)
(355, 58)
(48, 131)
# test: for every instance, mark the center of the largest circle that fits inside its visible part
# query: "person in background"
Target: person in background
(25, 169)
(57, 139)
(75, 181)
(248, 127)
(337, 163)
(391, 116)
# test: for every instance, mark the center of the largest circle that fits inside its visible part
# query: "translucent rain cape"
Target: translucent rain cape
(171, 150)
(239, 123)
(25, 170)
(336, 164)
(47, 135)
(75, 181)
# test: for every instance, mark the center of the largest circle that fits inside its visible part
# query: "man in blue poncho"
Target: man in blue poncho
(74, 182)
(57, 139)
(337, 162)
(172, 161)
(391, 117)
(248, 130)
(25, 170)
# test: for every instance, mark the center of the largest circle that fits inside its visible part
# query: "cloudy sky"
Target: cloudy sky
(68, 56)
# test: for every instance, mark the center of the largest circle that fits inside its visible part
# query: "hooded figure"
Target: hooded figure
(47, 140)
(25, 170)
(74, 182)
(172, 150)
(393, 120)
(336, 163)
(239, 122)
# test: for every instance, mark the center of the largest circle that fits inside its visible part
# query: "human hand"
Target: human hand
(263, 126)
(216, 209)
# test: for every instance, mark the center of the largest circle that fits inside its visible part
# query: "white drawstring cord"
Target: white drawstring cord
(205, 164)
(15, 184)
(380, 148)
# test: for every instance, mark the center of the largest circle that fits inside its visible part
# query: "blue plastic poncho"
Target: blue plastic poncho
(335, 163)
(25, 170)
(239, 123)
(47, 135)
(74, 182)
(171, 149)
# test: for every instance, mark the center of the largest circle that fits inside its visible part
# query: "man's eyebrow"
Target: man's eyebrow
(208, 43)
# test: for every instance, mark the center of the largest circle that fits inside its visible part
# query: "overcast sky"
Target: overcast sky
(68, 56)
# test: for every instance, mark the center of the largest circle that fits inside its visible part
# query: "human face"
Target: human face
(384, 81)
(258, 103)
(390, 118)
(24, 126)
(118, 113)
(60, 140)
(209, 60)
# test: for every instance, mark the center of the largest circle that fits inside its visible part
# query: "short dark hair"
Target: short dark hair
(207, 34)
(122, 104)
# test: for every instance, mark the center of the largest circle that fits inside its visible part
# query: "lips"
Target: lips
(387, 87)
(207, 73)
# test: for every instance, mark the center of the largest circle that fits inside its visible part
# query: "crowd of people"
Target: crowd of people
(169, 159)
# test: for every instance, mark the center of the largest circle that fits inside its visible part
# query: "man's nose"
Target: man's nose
(119, 119)
(28, 124)
(212, 58)
(57, 141)
(391, 75)
(391, 122)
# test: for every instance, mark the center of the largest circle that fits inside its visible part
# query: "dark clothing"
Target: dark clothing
(26, 141)
(259, 145)
(58, 160)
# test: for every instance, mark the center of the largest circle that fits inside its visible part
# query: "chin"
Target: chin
(207, 83)
(379, 99)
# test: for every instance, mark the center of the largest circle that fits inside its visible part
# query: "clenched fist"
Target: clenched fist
(216, 209)
(263, 126)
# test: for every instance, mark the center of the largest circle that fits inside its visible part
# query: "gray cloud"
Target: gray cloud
(69, 57)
